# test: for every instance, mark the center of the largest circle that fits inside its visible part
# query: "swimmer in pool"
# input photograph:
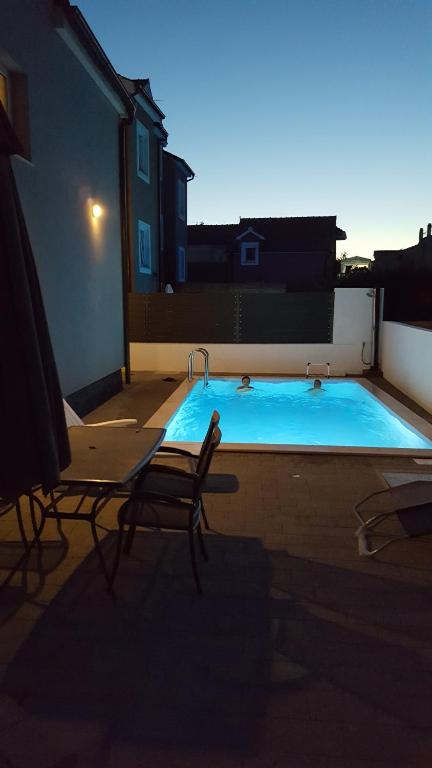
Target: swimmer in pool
(245, 385)
(317, 387)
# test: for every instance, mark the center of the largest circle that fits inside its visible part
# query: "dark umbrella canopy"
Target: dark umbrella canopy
(33, 432)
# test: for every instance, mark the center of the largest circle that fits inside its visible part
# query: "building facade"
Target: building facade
(296, 252)
(176, 175)
(416, 258)
(68, 109)
(348, 263)
(145, 139)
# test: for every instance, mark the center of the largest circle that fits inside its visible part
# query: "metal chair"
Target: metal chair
(148, 509)
(410, 504)
(173, 481)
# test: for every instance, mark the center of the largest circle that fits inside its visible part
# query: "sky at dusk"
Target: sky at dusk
(284, 108)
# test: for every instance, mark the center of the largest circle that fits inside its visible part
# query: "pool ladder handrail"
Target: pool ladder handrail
(206, 356)
(309, 364)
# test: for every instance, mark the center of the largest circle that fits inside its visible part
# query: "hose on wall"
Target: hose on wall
(365, 362)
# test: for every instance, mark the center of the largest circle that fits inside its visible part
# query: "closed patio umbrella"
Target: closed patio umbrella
(33, 433)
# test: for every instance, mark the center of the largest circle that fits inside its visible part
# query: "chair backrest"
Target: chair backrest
(72, 418)
(204, 465)
(214, 422)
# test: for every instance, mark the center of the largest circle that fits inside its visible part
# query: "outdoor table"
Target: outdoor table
(104, 460)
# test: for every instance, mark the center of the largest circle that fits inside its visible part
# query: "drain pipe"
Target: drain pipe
(125, 234)
(373, 294)
(377, 321)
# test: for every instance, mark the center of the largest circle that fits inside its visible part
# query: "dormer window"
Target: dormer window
(249, 254)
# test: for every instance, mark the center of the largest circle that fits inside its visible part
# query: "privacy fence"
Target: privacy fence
(237, 318)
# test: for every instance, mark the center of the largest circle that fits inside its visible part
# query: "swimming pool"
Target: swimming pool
(287, 414)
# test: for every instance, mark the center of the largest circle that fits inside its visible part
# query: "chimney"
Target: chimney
(420, 234)
(429, 230)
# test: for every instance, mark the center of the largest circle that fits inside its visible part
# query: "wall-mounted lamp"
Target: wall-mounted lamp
(96, 211)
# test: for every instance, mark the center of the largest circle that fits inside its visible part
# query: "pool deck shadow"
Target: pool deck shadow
(299, 654)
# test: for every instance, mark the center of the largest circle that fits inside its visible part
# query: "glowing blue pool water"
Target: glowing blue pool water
(343, 413)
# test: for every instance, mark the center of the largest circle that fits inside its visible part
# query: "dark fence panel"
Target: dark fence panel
(232, 318)
(178, 317)
(286, 318)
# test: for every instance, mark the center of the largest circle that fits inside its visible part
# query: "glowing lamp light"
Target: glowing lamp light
(96, 211)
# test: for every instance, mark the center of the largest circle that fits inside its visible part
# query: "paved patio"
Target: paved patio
(299, 654)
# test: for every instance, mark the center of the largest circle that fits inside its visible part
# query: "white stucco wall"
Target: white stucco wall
(406, 360)
(352, 327)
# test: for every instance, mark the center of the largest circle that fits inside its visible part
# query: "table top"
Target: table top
(109, 455)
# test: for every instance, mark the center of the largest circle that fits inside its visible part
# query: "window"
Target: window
(143, 152)
(4, 91)
(144, 248)
(181, 264)
(181, 199)
(14, 98)
(249, 254)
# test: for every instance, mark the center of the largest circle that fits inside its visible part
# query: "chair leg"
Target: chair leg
(204, 516)
(193, 560)
(37, 529)
(129, 539)
(24, 538)
(201, 543)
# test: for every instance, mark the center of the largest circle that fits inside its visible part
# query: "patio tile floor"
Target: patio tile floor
(300, 653)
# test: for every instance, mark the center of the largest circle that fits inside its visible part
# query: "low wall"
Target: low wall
(406, 360)
(351, 327)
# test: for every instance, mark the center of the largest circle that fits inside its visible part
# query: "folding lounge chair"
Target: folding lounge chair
(410, 504)
(174, 481)
(73, 420)
(165, 511)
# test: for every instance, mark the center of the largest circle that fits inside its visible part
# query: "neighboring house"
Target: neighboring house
(145, 138)
(415, 258)
(297, 252)
(176, 174)
(69, 110)
(348, 263)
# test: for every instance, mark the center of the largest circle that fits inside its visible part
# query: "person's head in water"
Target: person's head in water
(317, 384)
(245, 384)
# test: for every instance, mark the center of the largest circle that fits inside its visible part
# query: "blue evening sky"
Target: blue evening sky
(286, 108)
